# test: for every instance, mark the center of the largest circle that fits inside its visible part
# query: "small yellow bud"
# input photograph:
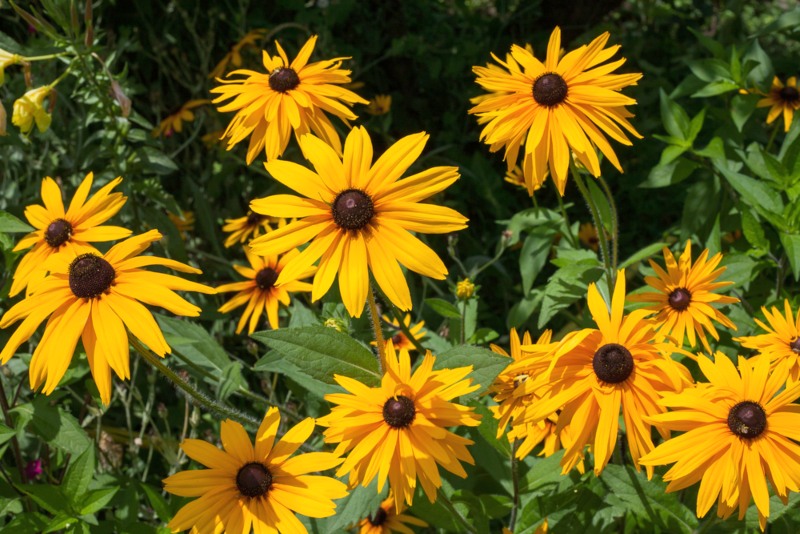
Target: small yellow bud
(336, 324)
(464, 289)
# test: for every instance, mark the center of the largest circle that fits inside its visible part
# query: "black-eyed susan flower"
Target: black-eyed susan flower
(782, 100)
(234, 55)
(289, 97)
(740, 430)
(596, 373)
(259, 291)
(781, 341)
(98, 298)
(183, 221)
(399, 338)
(173, 123)
(358, 217)
(73, 228)
(549, 109)
(389, 518)
(252, 225)
(684, 297)
(255, 487)
(29, 110)
(399, 430)
(380, 105)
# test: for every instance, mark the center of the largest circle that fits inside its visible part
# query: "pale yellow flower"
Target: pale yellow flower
(29, 109)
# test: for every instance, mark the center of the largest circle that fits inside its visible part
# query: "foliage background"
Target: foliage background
(421, 53)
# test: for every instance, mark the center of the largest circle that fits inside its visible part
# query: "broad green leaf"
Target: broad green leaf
(742, 108)
(57, 427)
(695, 125)
(274, 362)
(761, 62)
(231, 381)
(488, 429)
(754, 192)
(710, 70)
(360, 503)
(486, 365)
(788, 19)
(675, 119)
(194, 343)
(791, 244)
(79, 474)
(300, 315)
(714, 149)
(568, 284)
(156, 161)
(6, 433)
(61, 522)
(740, 269)
(522, 310)
(47, 496)
(717, 87)
(534, 254)
(443, 308)
(321, 352)
(97, 499)
(753, 230)
(642, 254)
(157, 502)
(672, 173)
(671, 153)
(11, 225)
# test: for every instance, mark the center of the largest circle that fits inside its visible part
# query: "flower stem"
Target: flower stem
(376, 327)
(456, 514)
(195, 395)
(515, 483)
(614, 223)
(602, 236)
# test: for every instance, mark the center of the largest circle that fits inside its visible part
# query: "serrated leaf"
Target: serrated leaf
(97, 499)
(443, 308)
(79, 475)
(57, 427)
(11, 225)
(486, 365)
(194, 343)
(321, 352)
(360, 503)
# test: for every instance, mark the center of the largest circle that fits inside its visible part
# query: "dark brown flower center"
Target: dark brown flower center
(795, 345)
(747, 419)
(680, 299)
(90, 276)
(283, 79)
(789, 94)
(58, 232)
(352, 209)
(399, 412)
(612, 363)
(253, 480)
(396, 339)
(549, 89)
(266, 277)
(379, 519)
(254, 218)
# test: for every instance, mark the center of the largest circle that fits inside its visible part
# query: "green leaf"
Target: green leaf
(60, 522)
(788, 19)
(714, 149)
(6, 433)
(791, 244)
(534, 254)
(321, 352)
(79, 475)
(194, 343)
(675, 119)
(231, 381)
(753, 192)
(752, 229)
(156, 161)
(57, 427)
(710, 70)
(443, 308)
(740, 268)
(717, 87)
(157, 502)
(568, 284)
(672, 173)
(486, 365)
(47, 496)
(11, 225)
(97, 499)
(360, 503)
(642, 254)
(274, 362)
(742, 108)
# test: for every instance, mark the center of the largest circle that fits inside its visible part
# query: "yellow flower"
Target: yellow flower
(73, 228)
(96, 297)
(587, 234)
(174, 122)
(234, 56)
(781, 343)
(515, 177)
(184, 222)
(684, 298)
(465, 289)
(7, 59)
(740, 430)
(380, 105)
(389, 518)
(597, 372)
(399, 338)
(29, 109)
(257, 487)
(399, 430)
(259, 291)
(784, 99)
(550, 108)
(252, 224)
(358, 217)
(290, 97)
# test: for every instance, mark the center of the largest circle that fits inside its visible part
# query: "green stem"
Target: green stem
(376, 327)
(515, 484)
(772, 136)
(602, 237)
(42, 58)
(456, 514)
(398, 316)
(198, 397)
(614, 223)
(573, 240)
